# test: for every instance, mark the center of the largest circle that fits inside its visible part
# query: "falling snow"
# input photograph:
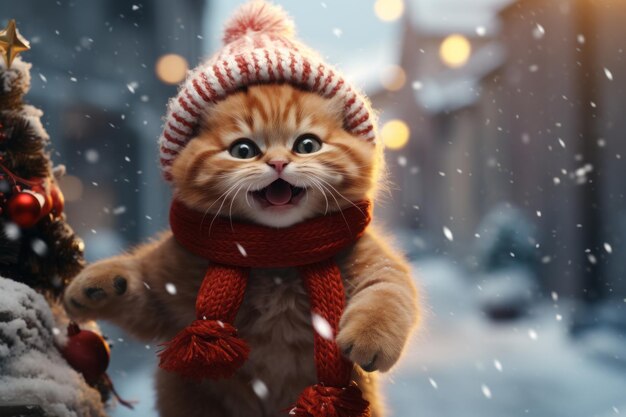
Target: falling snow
(39, 247)
(132, 87)
(92, 156)
(242, 250)
(260, 389)
(12, 231)
(170, 288)
(539, 31)
(321, 326)
(486, 391)
(505, 126)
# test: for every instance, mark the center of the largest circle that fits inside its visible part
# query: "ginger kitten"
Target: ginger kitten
(272, 155)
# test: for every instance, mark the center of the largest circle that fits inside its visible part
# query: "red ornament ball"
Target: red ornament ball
(24, 208)
(87, 352)
(47, 200)
(58, 201)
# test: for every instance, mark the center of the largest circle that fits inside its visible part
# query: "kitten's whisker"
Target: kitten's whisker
(230, 190)
(230, 210)
(341, 195)
(206, 212)
(248, 192)
(317, 184)
(338, 206)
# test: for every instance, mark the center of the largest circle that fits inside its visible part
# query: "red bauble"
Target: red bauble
(58, 201)
(47, 200)
(24, 208)
(87, 352)
(47, 207)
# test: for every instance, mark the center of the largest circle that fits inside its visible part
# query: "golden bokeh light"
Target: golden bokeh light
(72, 187)
(389, 10)
(171, 68)
(455, 51)
(393, 78)
(395, 134)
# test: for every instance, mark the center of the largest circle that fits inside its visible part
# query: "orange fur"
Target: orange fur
(274, 318)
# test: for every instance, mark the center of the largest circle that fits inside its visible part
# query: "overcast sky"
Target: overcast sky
(346, 32)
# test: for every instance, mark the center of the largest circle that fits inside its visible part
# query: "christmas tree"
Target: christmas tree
(37, 246)
(39, 254)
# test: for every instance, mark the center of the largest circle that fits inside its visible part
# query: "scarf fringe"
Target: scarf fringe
(205, 349)
(321, 401)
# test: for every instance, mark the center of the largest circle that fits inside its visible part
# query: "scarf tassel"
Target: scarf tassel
(322, 401)
(205, 349)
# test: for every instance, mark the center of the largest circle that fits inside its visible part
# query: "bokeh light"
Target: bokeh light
(393, 78)
(395, 134)
(72, 187)
(171, 68)
(455, 51)
(389, 10)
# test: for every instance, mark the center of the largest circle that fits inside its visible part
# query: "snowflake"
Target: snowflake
(486, 391)
(242, 250)
(433, 383)
(170, 288)
(321, 326)
(259, 388)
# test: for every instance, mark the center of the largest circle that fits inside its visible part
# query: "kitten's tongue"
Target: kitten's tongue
(278, 193)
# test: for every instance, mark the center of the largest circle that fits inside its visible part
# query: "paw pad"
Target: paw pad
(120, 284)
(95, 293)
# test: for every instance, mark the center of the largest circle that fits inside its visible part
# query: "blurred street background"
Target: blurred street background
(505, 128)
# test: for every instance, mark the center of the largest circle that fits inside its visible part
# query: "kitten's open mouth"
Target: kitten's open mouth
(280, 193)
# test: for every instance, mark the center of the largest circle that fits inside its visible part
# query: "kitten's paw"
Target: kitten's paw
(98, 289)
(372, 339)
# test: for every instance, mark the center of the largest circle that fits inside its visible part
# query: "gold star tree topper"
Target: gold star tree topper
(12, 43)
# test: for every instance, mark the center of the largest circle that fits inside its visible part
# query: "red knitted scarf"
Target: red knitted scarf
(209, 347)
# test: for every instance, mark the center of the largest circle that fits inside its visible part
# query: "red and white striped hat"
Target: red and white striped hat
(259, 47)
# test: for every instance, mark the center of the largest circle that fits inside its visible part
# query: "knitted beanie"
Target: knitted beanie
(259, 48)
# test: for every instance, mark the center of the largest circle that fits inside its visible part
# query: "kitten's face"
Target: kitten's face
(274, 155)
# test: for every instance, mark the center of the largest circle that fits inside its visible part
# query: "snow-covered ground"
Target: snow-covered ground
(460, 364)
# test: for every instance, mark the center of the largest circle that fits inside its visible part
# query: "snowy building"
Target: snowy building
(512, 125)
(94, 76)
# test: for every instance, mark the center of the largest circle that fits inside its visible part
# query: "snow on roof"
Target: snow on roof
(458, 16)
(455, 89)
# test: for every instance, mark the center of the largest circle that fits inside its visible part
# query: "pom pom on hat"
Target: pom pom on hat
(258, 16)
(261, 48)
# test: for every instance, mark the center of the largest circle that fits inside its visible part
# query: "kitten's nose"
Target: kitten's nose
(278, 165)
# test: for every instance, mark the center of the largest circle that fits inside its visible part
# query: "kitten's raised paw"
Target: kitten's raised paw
(96, 290)
(372, 341)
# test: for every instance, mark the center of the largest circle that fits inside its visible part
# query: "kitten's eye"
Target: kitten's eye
(244, 149)
(307, 143)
